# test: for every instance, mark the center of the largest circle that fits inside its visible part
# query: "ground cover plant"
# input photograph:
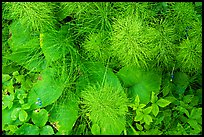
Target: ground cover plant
(101, 68)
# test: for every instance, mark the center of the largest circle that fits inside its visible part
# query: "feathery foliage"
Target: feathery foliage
(93, 68)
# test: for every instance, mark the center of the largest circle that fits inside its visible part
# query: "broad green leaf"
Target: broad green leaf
(147, 119)
(110, 126)
(95, 129)
(15, 113)
(97, 73)
(52, 44)
(65, 113)
(45, 91)
(25, 48)
(181, 81)
(152, 81)
(154, 97)
(139, 127)
(129, 75)
(144, 83)
(139, 116)
(47, 130)
(163, 102)
(39, 117)
(147, 110)
(28, 129)
(20, 36)
(28, 59)
(166, 90)
(140, 90)
(132, 75)
(155, 109)
(23, 115)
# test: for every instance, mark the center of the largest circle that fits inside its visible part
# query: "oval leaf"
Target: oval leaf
(139, 116)
(147, 119)
(133, 75)
(140, 90)
(163, 102)
(47, 130)
(155, 109)
(147, 110)
(40, 117)
(23, 115)
(48, 90)
(139, 127)
(15, 113)
(65, 114)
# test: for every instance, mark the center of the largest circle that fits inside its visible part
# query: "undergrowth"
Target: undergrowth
(101, 68)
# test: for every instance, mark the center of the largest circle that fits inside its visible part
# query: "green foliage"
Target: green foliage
(140, 82)
(39, 117)
(65, 113)
(35, 15)
(47, 130)
(28, 129)
(25, 48)
(106, 106)
(43, 90)
(101, 68)
(96, 46)
(132, 41)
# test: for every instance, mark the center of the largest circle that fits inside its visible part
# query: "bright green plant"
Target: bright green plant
(96, 46)
(35, 15)
(113, 68)
(157, 103)
(106, 108)
(132, 41)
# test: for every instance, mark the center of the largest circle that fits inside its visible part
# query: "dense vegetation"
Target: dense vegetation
(125, 68)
